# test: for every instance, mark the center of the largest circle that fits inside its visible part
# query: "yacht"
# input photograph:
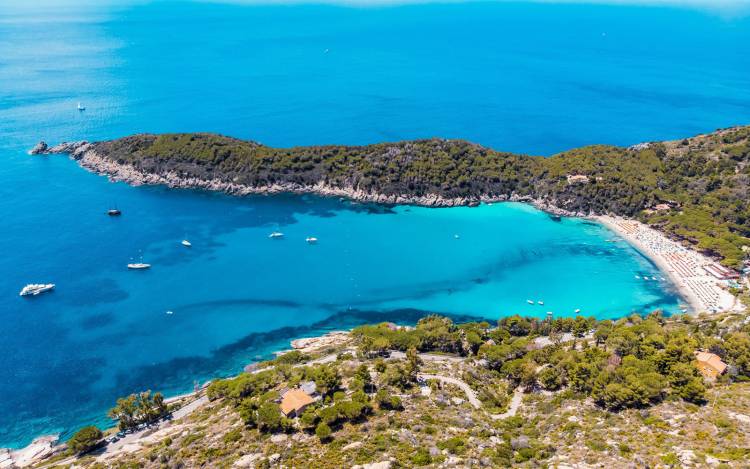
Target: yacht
(33, 289)
(113, 212)
(81, 107)
(577, 311)
(653, 278)
(540, 302)
(530, 302)
(276, 235)
(139, 266)
(186, 243)
(637, 277)
(311, 240)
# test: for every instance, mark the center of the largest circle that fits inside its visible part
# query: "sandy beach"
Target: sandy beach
(684, 267)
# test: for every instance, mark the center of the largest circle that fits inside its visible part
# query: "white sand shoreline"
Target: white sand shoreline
(683, 266)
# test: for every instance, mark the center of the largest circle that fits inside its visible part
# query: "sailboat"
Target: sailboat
(81, 107)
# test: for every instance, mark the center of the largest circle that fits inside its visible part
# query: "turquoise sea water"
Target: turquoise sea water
(521, 77)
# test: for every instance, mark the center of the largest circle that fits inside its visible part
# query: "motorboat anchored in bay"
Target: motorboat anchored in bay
(139, 266)
(34, 289)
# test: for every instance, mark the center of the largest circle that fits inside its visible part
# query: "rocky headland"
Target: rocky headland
(694, 190)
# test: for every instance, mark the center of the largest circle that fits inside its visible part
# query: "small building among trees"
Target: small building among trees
(709, 364)
(294, 402)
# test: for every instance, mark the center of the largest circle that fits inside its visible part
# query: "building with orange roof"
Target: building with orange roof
(294, 402)
(709, 364)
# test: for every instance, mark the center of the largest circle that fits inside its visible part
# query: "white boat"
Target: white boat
(455, 236)
(577, 311)
(530, 302)
(540, 302)
(311, 240)
(186, 243)
(653, 278)
(34, 289)
(170, 312)
(81, 107)
(276, 235)
(139, 266)
(645, 278)
(637, 277)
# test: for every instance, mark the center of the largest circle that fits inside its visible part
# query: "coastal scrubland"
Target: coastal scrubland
(522, 392)
(695, 189)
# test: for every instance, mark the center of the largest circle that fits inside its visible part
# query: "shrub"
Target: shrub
(421, 457)
(323, 432)
(454, 445)
(85, 439)
(233, 435)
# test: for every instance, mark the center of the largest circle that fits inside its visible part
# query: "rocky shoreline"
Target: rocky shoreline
(88, 158)
(38, 450)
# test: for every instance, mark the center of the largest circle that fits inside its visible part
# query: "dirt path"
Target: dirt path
(470, 394)
(515, 403)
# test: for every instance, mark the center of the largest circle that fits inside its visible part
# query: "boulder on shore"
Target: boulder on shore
(39, 149)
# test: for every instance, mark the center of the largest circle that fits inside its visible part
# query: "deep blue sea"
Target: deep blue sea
(533, 78)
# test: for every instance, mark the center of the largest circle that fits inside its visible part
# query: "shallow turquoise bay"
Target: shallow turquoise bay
(513, 76)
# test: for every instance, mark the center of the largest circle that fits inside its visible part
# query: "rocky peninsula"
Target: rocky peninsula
(694, 190)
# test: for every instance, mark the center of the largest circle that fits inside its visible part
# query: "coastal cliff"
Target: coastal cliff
(695, 190)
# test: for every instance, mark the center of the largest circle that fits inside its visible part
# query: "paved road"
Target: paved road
(470, 394)
(429, 357)
(134, 438)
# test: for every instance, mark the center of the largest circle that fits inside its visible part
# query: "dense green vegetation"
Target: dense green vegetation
(596, 392)
(256, 397)
(85, 439)
(139, 409)
(632, 362)
(704, 179)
